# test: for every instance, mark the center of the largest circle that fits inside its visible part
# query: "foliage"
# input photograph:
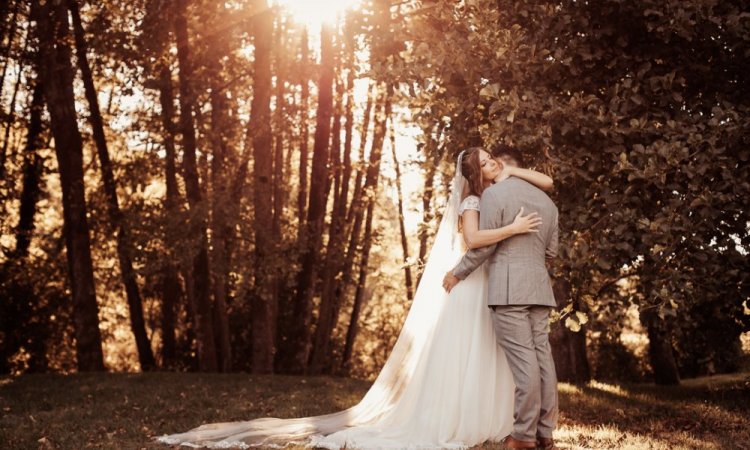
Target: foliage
(641, 108)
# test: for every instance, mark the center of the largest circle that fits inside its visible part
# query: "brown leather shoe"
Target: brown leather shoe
(511, 442)
(543, 443)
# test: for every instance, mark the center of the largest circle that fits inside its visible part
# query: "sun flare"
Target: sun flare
(313, 13)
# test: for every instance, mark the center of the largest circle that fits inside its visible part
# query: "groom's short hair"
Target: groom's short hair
(502, 151)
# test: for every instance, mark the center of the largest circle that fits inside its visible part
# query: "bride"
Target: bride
(446, 383)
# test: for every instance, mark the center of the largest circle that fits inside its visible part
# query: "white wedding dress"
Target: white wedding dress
(446, 384)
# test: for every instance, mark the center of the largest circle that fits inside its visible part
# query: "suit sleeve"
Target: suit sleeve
(490, 216)
(552, 243)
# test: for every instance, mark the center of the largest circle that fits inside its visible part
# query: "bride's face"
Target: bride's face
(491, 168)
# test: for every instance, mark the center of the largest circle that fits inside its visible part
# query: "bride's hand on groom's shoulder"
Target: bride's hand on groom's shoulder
(450, 281)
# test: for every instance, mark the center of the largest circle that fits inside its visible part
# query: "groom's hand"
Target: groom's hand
(450, 281)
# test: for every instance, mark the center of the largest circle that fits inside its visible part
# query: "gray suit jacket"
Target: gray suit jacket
(517, 274)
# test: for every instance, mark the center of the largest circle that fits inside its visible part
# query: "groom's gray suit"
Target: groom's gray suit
(520, 295)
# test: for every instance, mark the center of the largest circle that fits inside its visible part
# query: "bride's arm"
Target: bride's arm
(475, 237)
(538, 179)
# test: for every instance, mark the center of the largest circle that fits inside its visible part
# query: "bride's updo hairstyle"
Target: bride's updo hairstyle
(471, 169)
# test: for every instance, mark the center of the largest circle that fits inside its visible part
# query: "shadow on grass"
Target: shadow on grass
(710, 412)
(121, 411)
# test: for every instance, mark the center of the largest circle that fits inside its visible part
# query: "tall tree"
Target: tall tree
(295, 350)
(157, 61)
(305, 133)
(328, 311)
(32, 173)
(56, 73)
(201, 277)
(360, 293)
(281, 169)
(401, 224)
(224, 209)
(122, 232)
(370, 190)
(170, 282)
(355, 213)
(259, 134)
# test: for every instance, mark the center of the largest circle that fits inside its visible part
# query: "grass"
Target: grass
(121, 411)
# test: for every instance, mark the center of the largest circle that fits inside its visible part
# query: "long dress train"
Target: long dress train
(446, 383)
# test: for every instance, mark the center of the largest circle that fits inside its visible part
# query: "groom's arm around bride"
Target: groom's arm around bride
(520, 295)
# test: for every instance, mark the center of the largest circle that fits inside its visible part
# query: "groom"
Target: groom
(520, 296)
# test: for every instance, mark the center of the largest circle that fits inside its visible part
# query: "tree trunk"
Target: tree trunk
(402, 225)
(568, 347)
(359, 298)
(346, 173)
(32, 174)
(279, 184)
(320, 356)
(135, 304)
(171, 292)
(370, 189)
(356, 208)
(56, 72)
(303, 150)
(224, 209)
(201, 289)
(660, 352)
(259, 133)
(280, 166)
(363, 192)
(295, 351)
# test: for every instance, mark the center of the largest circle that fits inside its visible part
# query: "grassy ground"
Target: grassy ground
(121, 411)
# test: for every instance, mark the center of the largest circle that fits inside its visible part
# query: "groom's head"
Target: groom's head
(507, 155)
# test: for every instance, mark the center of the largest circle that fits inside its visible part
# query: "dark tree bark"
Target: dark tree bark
(171, 291)
(32, 174)
(660, 351)
(201, 288)
(659, 331)
(346, 172)
(305, 136)
(259, 133)
(402, 225)
(224, 209)
(370, 188)
(295, 350)
(358, 207)
(359, 297)
(280, 167)
(56, 73)
(320, 355)
(568, 347)
(122, 233)
(355, 213)
(279, 184)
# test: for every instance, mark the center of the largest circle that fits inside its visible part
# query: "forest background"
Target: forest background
(195, 185)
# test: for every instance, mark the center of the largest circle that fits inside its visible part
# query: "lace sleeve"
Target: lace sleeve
(470, 202)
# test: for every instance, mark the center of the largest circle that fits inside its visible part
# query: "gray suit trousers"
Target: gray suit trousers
(523, 332)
